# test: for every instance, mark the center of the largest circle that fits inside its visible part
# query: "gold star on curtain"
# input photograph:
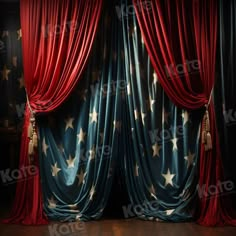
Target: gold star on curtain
(185, 116)
(5, 72)
(21, 81)
(69, 123)
(143, 115)
(70, 162)
(92, 192)
(128, 89)
(92, 153)
(136, 172)
(174, 142)
(14, 61)
(152, 191)
(94, 116)
(55, 170)
(19, 33)
(155, 78)
(156, 150)
(169, 212)
(136, 114)
(73, 208)
(168, 178)
(142, 40)
(44, 147)
(151, 102)
(81, 135)
(81, 176)
(190, 158)
(52, 203)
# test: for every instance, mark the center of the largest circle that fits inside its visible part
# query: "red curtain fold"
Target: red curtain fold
(180, 37)
(57, 37)
(215, 210)
(28, 207)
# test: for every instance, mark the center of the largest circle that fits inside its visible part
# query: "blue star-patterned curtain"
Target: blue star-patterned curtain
(12, 90)
(119, 117)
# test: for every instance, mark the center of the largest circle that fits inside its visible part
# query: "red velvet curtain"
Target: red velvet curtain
(180, 37)
(57, 37)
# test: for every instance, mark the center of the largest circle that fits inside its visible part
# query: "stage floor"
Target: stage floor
(112, 227)
(116, 227)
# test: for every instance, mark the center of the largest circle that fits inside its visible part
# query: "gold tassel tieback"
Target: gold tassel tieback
(206, 135)
(32, 135)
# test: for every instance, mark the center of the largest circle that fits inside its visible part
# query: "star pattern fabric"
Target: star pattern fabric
(168, 178)
(5, 73)
(118, 119)
(69, 123)
(52, 203)
(190, 159)
(156, 150)
(71, 162)
(12, 90)
(174, 142)
(94, 116)
(19, 32)
(21, 82)
(81, 176)
(80, 144)
(163, 149)
(44, 147)
(81, 135)
(55, 170)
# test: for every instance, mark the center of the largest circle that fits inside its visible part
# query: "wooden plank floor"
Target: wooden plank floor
(116, 228)
(111, 226)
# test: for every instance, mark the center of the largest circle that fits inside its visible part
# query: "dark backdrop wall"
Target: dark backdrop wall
(12, 92)
(225, 87)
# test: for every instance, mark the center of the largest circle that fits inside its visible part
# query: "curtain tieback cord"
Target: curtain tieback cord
(206, 130)
(32, 133)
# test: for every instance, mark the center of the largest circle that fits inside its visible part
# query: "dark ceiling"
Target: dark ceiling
(9, 14)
